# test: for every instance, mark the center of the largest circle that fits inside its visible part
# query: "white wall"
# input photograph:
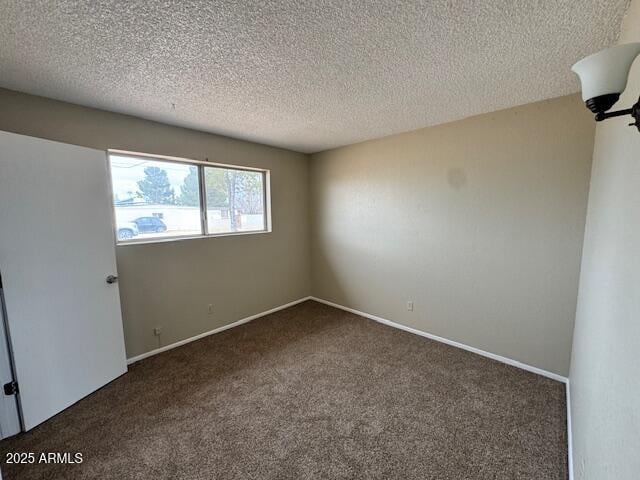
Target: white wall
(605, 377)
(479, 222)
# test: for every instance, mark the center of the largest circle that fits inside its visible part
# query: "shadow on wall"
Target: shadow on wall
(330, 276)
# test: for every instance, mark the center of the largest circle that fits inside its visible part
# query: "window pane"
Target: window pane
(154, 199)
(235, 200)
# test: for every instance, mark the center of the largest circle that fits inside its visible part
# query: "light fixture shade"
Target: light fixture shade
(606, 72)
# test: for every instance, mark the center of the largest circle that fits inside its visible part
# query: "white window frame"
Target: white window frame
(204, 226)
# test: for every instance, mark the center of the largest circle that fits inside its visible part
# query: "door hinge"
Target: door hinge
(10, 388)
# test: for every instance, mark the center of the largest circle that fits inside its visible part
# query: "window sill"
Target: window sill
(147, 241)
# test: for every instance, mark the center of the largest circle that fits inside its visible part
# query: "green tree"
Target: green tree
(189, 190)
(238, 192)
(231, 180)
(249, 193)
(215, 184)
(155, 188)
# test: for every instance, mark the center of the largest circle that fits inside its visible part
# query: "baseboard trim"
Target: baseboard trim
(493, 356)
(569, 433)
(214, 331)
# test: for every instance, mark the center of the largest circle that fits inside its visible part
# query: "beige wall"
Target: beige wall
(605, 384)
(171, 284)
(479, 222)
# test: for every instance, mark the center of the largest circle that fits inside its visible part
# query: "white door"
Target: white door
(9, 419)
(56, 251)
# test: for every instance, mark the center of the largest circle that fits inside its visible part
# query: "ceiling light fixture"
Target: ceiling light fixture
(603, 76)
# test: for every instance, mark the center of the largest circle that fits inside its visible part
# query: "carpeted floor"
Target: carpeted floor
(310, 392)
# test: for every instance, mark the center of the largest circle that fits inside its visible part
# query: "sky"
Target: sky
(127, 171)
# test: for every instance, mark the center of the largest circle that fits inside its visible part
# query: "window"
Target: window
(156, 198)
(235, 200)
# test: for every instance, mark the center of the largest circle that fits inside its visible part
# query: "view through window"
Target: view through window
(235, 200)
(157, 198)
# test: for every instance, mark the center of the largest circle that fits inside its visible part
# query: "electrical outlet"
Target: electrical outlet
(157, 331)
(410, 306)
(210, 308)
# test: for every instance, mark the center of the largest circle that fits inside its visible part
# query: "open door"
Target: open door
(9, 416)
(57, 250)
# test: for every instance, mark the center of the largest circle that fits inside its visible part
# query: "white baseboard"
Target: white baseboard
(214, 331)
(569, 433)
(493, 356)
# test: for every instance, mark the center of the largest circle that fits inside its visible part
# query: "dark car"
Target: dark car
(127, 230)
(150, 225)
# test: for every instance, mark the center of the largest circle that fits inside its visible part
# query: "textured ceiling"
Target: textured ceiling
(304, 75)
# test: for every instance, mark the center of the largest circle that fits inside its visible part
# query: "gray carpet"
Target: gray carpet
(310, 392)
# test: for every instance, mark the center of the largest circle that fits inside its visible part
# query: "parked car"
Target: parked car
(150, 225)
(127, 230)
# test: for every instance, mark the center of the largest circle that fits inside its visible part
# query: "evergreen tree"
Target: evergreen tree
(215, 184)
(190, 190)
(155, 187)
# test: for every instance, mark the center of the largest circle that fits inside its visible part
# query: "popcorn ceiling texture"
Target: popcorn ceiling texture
(306, 76)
